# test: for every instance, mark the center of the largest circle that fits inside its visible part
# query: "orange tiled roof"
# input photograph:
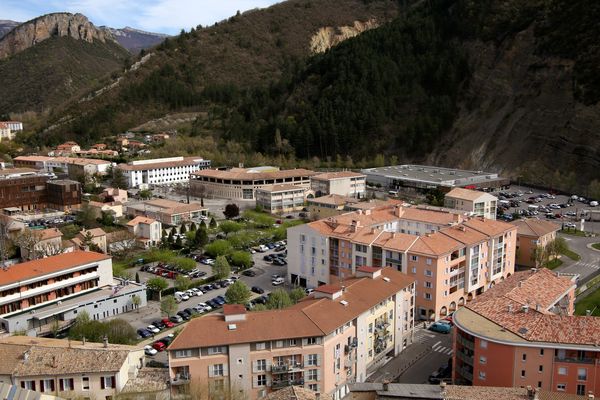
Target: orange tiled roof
(534, 227)
(435, 244)
(243, 174)
(141, 220)
(44, 266)
(50, 233)
(465, 194)
(338, 175)
(490, 227)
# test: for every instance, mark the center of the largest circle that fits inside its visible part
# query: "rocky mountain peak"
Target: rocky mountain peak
(76, 26)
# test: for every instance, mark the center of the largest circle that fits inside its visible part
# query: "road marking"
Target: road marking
(435, 345)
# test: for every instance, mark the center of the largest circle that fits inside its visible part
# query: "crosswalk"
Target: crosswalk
(441, 349)
(592, 265)
(422, 335)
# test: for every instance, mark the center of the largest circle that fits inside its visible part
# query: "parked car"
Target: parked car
(212, 304)
(262, 248)
(278, 281)
(308, 291)
(153, 329)
(268, 257)
(257, 289)
(249, 272)
(205, 306)
(159, 346)
(144, 333)
(167, 323)
(176, 319)
(184, 315)
(159, 324)
(167, 339)
(440, 327)
(279, 261)
(150, 351)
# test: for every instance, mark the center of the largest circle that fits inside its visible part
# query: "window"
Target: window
(107, 382)
(541, 352)
(562, 370)
(541, 368)
(581, 390)
(524, 357)
(428, 284)
(279, 343)
(261, 346)
(370, 328)
(414, 258)
(414, 270)
(482, 359)
(85, 383)
(292, 342)
(47, 385)
(561, 387)
(581, 374)
(217, 370)
(184, 353)
(483, 344)
(314, 387)
(522, 373)
(428, 261)
(482, 375)
(312, 359)
(427, 296)
(261, 380)
(312, 375)
(311, 340)
(261, 365)
(29, 385)
(66, 384)
(215, 350)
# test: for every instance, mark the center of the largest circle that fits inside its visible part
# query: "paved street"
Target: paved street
(589, 265)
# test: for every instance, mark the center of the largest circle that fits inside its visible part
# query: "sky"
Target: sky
(161, 16)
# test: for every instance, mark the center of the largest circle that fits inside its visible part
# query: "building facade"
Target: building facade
(336, 336)
(525, 328)
(343, 183)
(148, 231)
(242, 183)
(278, 199)
(69, 369)
(473, 201)
(6, 134)
(63, 194)
(37, 294)
(23, 188)
(162, 171)
(533, 236)
(452, 258)
(73, 166)
(168, 212)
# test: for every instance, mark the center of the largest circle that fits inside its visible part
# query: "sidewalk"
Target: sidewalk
(397, 365)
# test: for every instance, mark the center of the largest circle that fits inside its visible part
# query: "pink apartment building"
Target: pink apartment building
(336, 336)
(523, 333)
(451, 257)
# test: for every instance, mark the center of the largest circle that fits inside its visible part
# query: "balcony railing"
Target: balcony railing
(180, 379)
(279, 368)
(575, 360)
(465, 373)
(465, 358)
(287, 382)
(466, 343)
(291, 367)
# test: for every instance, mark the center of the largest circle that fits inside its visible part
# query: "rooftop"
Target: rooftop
(281, 188)
(50, 233)
(334, 199)
(166, 206)
(327, 176)
(160, 163)
(431, 174)
(296, 393)
(141, 220)
(308, 318)
(65, 160)
(45, 266)
(535, 227)
(467, 194)
(252, 174)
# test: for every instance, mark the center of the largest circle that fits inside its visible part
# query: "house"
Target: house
(14, 126)
(524, 326)
(336, 336)
(326, 206)
(114, 194)
(146, 230)
(6, 133)
(115, 208)
(40, 243)
(68, 369)
(91, 239)
(68, 148)
(168, 212)
(533, 234)
(476, 202)
(99, 146)
(343, 183)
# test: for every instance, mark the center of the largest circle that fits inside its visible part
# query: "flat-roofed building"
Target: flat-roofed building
(6, 134)
(476, 202)
(242, 183)
(168, 212)
(63, 194)
(336, 336)
(423, 178)
(162, 171)
(23, 188)
(533, 236)
(525, 327)
(68, 369)
(73, 166)
(454, 257)
(278, 199)
(343, 183)
(36, 296)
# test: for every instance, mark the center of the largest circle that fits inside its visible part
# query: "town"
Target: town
(195, 279)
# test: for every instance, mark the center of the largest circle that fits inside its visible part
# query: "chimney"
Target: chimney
(399, 211)
(105, 341)
(591, 395)
(510, 308)
(393, 235)
(26, 356)
(520, 283)
(525, 308)
(443, 388)
(54, 363)
(386, 385)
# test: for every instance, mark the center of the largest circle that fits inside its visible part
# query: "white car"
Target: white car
(278, 281)
(150, 351)
(182, 296)
(593, 203)
(205, 306)
(571, 225)
(153, 329)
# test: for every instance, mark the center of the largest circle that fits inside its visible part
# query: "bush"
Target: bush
(241, 259)
(218, 248)
(185, 263)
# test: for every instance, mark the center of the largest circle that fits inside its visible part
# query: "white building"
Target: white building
(72, 165)
(281, 198)
(162, 171)
(14, 126)
(343, 183)
(146, 230)
(5, 132)
(473, 201)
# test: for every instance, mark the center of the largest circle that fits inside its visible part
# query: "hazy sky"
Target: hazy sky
(164, 16)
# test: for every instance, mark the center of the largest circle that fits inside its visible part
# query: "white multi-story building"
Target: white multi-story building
(343, 183)
(5, 132)
(72, 165)
(162, 171)
(14, 126)
(281, 198)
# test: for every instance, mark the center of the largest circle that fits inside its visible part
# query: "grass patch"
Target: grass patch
(596, 246)
(572, 255)
(557, 262)
(573, 232)
(589, 303)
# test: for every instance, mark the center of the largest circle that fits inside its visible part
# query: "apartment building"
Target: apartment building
(473, 201)
(168, 212)
(68, 369)
(343, 183)
(278, 199)
(335, 336)
(6, 134)
(63, 194)
(452, 258)
(242, 183)
(23, 188)
(14, 126)
(36, 295)
(533, 234)
(161, 171)
(147, 231)
(525, 327)
(73, 166)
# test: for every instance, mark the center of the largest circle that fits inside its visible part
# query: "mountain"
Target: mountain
(135, 40)
(46, 61)
(6, 26)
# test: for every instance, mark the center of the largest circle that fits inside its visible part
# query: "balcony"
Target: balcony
(466, 343)
(456, 271)
(279, 369)
(180, 379)
(465, 358)
(287, 382)
(575, 360)
(465, 373)
(382, 326)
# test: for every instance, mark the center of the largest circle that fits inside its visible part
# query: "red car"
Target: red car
(168, 323)
(159, 346)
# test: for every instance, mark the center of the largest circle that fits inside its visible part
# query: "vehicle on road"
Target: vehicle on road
(257, 289)
(278, 281)
(150, 351)
(440, 327)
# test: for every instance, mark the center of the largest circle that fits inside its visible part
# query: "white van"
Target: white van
(262, 248)
(533, 207)
(393, 193)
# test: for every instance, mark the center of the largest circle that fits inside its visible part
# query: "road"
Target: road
(589, 265)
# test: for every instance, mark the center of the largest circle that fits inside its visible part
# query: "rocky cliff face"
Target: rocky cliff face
(135, 40)
(328, 37)
(76, 26)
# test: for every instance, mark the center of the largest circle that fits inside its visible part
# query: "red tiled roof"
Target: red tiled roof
(368, 269)
(534, 227)
(233, 309)
(44, 266)
(338, 175)
(329, 289)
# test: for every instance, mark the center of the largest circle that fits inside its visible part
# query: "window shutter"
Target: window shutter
(42, 386)
(255, 381)
(269, 380)
(23, 384)
(114, 382)
(33, 385)
(62, 385)
(102, 382)
(225, 369)
(52, 385)
(318, 375)
(71, 384)
(211, 371)
(269, 362)
(318, 360)
(304, 342)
